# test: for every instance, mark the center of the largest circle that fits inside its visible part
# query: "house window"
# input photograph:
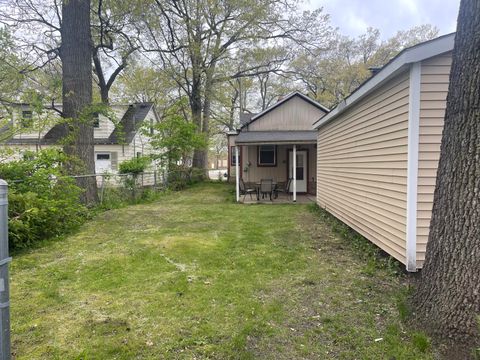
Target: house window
(27, 117)
(233, 156)
(151, 127)
(267, 155)
(103, 156)
(96, 120)
(139, 154)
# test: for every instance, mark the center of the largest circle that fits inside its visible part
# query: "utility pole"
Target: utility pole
(5, 353)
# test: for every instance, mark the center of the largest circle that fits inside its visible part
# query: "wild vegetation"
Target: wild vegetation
(43, 201)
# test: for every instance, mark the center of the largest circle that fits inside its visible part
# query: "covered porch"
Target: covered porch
(273, 155)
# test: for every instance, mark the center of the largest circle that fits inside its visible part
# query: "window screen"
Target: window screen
(267, 155)
(27, 117)
(103, 156)
(96, 120)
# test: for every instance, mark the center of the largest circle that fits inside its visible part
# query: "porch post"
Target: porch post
(237, 173)
(294, 172)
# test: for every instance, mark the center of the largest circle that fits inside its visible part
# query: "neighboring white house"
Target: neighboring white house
(114, 141)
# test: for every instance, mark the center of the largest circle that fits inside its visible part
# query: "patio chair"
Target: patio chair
(266, 188)
(246, 191)
(284, 189)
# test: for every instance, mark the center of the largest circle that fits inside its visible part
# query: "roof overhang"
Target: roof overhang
(276, 137)
(397, 65)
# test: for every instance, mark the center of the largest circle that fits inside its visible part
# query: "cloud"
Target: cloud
(353, 17)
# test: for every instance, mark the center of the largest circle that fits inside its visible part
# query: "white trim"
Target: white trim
(294, 172)
(411, 55)
(237, 173)
(412, 169)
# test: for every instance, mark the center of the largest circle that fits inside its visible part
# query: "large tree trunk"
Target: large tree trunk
(76, 56)
(447, 298)
(196, 108)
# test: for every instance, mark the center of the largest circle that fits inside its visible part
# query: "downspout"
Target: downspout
(237, 173)
(294, 172)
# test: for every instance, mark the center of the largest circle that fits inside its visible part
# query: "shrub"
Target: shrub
(134, 166)
(43, 201)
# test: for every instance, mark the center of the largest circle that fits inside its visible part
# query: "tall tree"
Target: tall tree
(37, 25)
(330, 76)
(76, 56)
(193, 38)
(447, 298)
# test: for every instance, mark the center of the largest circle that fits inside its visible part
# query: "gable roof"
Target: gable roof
(396, 65)
(131, 122)
(124, 132)
(282, 101)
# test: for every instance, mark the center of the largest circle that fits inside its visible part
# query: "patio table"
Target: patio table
(257, 187)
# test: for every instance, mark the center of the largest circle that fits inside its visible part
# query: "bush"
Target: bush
(134, 166)
(43, 201)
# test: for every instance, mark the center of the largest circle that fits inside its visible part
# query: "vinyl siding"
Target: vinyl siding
(294, 114)
(362, 166)
(434, 87)
(279, 172)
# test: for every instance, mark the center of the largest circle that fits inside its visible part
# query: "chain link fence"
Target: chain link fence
(132, 187)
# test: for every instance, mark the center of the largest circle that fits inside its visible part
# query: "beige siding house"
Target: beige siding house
(114, 141)
(272, 143)
(378, 151)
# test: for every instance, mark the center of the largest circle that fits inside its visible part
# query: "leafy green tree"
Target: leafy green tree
(10, 79)
(193, 38)
(175, 138)
(331, 75)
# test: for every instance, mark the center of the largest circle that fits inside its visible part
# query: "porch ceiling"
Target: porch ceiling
(276, 137)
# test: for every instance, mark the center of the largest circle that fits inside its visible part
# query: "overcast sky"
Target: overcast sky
(353, 17)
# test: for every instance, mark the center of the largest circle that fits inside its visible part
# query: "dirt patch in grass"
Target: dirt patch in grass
(196, 276)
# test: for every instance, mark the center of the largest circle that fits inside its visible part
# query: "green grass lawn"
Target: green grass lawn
(196, 276)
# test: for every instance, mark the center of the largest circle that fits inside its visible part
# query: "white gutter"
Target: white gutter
(237, 174)
(413, 54)
(412, 167)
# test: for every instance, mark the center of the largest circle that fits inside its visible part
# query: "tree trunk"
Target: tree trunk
(202, 154)
(76, 56)
(447, 299)
(102, 84)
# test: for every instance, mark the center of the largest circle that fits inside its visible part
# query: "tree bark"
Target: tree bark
(447, 299)
(76, 56)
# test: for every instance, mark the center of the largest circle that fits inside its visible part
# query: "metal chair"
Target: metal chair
(284, 189)
(266, 188)
(246, 191)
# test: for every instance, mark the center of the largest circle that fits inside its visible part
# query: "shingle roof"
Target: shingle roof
(245, 118)
(124, 132)
(291, 137)
(131, 122)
